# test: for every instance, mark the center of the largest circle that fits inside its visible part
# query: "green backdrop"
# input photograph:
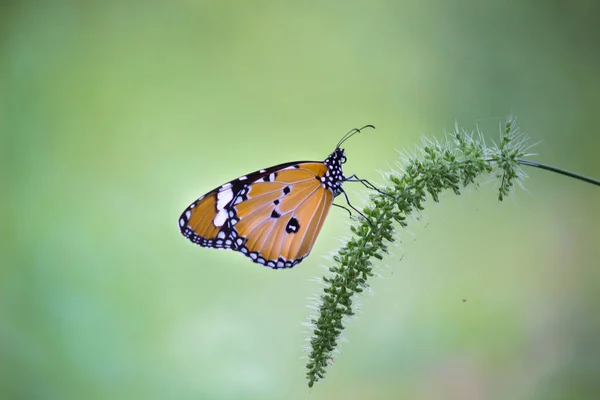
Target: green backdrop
(116, 115)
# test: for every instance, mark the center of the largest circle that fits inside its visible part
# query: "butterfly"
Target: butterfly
(273, 216)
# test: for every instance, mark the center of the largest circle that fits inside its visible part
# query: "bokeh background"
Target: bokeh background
(116, 115)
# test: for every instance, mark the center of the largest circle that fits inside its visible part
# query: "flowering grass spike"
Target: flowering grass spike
(452, 165)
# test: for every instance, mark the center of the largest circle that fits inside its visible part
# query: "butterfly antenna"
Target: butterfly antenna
(558, 171)
(352, 133)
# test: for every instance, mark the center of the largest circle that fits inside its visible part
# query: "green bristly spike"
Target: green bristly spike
(452, 165)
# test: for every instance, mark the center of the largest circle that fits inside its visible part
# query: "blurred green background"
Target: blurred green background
(116, 115)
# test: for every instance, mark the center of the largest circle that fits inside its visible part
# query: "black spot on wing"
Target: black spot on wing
(292, 226)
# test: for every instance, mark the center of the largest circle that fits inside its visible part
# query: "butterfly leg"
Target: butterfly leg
(355, 209)
(343, 208)
(366, 183)
(350, 212)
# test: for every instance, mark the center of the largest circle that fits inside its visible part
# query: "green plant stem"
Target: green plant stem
(558, 171)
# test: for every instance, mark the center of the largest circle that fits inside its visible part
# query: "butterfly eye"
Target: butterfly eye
(343, 160)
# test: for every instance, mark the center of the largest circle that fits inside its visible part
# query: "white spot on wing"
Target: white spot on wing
(224, 197)
(181, 222)
(220, 218)
(243, 178)
(188, 214)
(226, 186)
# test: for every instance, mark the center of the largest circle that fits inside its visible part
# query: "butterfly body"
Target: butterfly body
(273, 216)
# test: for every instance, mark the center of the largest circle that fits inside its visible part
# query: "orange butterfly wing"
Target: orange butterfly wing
(272, 216)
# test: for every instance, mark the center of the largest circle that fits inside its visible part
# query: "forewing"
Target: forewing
(272, 216)
(208, 220)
